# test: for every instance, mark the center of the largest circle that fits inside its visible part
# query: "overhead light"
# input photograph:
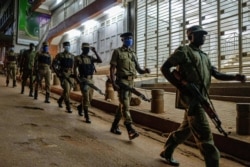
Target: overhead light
(58, 1)
(73, 33)
(114, 10)
(90, 23)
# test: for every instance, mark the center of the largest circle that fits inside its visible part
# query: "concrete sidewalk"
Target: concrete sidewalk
(234, 145)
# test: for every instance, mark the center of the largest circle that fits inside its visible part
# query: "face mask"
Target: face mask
(128, 42)
(85, 50)
(45, 49)
(67, 48)
(12, 49)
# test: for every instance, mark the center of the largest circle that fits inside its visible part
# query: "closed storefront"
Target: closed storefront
(161, 26)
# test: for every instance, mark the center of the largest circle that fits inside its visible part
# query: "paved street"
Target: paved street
(36, 134)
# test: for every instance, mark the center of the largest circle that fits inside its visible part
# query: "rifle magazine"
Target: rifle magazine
(178, 103)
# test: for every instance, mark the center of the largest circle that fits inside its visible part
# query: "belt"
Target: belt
(43, 64)
(67, 70)
(12, 62)
(129, 77)
(87, 76)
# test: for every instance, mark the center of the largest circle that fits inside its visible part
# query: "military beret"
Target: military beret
(126, 34)
(66, 43)
(45, 43)
(195, 28)
(85, 45)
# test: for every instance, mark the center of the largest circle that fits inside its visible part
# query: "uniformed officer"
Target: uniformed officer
(123, 68)
(27, 67)
(63, 66)
(10, 63)
(84, 65)
(42, 69)
(195, 67)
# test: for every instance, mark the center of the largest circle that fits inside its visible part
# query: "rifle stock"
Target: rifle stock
(83, 80)
(207, 107)
(204, 103)
(136, 92)
(61, 75)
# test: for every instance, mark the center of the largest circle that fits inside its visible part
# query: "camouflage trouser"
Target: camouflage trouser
(124, 102)
(198, 126)
(11, 72)
(46, 74)
(87, 94)
(67, 86)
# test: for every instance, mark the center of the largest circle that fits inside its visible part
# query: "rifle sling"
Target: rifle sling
(199, 75)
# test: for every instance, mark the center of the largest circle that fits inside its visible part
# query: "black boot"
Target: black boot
(7, 82)
(14, 84)
(31, 93)
(115, 127)
(47, 95)
(59, 101)
(35, 94)
(67, 103)
(22, 90)
(168, 151)
(86, 114)
(79, 108)
(131, 132)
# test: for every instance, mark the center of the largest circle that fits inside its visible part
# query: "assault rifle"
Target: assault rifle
(85, 81)
(207, 106)
(56, 67)
(134, 91)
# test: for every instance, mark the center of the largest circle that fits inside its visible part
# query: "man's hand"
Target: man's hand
(115, 86)
(93, 49)
(241, 78)
(147, 70)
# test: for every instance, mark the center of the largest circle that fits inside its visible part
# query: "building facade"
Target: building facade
(159, 27)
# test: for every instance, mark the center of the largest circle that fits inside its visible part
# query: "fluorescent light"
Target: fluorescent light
(90, 23)
(73, 33)
(114, 10)
(58, 1)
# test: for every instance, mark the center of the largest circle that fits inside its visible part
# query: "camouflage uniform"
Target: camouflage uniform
(42, 65)
(85, 65)
(123, 59)
(86, 68)
(27, 67)
(11, 65)
(65, 60)
(194, 67)
(124, 65)
(195, 120)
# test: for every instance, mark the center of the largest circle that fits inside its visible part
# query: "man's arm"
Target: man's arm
(16, 55)
(98, 58)
(226, 77)
(22, 61)
(165, 69)
(5, 60)
(75, 67)
(113, 77)
(36, 61)
(139, 70)
(56, 65)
